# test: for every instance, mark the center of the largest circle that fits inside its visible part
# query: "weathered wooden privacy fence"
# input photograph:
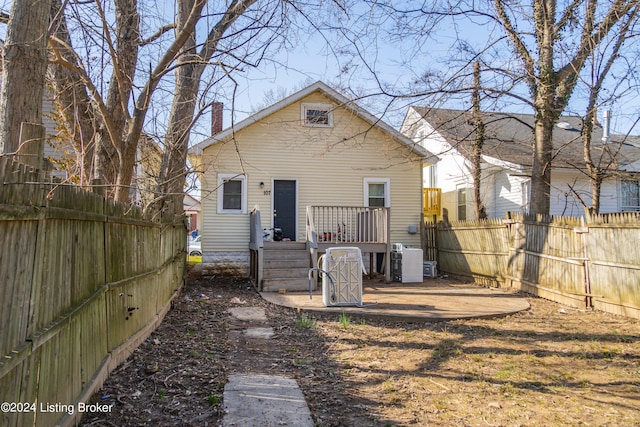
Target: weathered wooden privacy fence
(82, 282)
(592, 262)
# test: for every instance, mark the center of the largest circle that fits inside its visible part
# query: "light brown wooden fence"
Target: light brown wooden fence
(478, 249)
(590, 262)
(82, 282)
(613, 252)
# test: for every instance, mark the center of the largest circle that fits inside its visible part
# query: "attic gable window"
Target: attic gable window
(317, 115)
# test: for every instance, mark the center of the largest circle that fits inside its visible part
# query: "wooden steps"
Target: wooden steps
(285, 266)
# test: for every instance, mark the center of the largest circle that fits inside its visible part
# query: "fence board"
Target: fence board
(614, 265)
(92, 323)
(59, 382)
(19, 385)
(473, 248)
(55, 256)
(591, 263)
(431, 241)
(17, 255)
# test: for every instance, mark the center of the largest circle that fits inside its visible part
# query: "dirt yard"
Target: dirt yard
(547, 366)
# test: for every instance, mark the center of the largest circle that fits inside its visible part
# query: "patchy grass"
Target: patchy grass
(543, 366)
(305, 322)
(344, 319)
(540, 367)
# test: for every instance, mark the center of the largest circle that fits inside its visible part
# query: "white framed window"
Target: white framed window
(462, 203)
(377, 192)
(432, 176)
(630, 195)
(317, 115)
(232, 193)
(526, 195)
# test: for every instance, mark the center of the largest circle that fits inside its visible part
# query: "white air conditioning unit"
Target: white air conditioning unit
(344, 286)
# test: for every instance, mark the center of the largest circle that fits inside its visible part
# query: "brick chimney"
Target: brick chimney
(216, 117)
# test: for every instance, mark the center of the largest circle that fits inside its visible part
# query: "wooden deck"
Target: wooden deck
(366, 228)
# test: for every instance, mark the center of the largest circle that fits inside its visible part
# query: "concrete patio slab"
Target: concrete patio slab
(430, 301)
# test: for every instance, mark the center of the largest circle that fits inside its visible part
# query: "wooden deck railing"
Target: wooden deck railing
(348, 224)
(365, 227)
(432, 202)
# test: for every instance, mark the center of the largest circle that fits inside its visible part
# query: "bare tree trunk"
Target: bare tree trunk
(100, 127)
(111, 149)
(597, 172)
(188, 76)
(478, 206)
(174, 160)
(545, 107)
(596, 189)
(541, 168)
(188, 73)
(551, 87)
(191, 12)
(24, 71)
(73, 104)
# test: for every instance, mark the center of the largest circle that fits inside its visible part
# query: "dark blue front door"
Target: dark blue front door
(284, 207)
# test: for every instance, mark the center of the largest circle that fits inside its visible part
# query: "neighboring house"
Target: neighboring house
(145, 183)
(55, 152)
(192, 209)
(313, 148)
(506, 163)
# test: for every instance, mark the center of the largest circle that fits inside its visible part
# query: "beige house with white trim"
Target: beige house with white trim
(317, 149)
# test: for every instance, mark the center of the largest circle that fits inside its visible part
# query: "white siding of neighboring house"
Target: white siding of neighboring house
(487, 193)
(452, 169)
(610, 196)
(50, 130)
(49, 125)
(564, 184)
(506, 195)
(502, 188)
(329, 164)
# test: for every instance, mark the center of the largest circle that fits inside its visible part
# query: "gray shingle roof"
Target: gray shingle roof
(509, 138)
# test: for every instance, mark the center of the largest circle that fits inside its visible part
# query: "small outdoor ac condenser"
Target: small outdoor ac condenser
(345, 266)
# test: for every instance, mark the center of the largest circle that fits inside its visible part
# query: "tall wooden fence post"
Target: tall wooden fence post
(583, 230)
(97, 186)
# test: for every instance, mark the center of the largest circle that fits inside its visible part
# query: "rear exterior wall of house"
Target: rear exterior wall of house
(330, 166)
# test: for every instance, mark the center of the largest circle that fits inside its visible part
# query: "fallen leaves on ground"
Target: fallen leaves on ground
(549, 365)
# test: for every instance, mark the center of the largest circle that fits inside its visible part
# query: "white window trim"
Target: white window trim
(432, 176)
(222, 177)
(466, 202)
(387, 190)
(316, 106)
(526, 195)
(622, 207)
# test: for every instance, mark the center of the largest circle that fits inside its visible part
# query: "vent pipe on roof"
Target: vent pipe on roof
(606, 122)
(216, 117)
